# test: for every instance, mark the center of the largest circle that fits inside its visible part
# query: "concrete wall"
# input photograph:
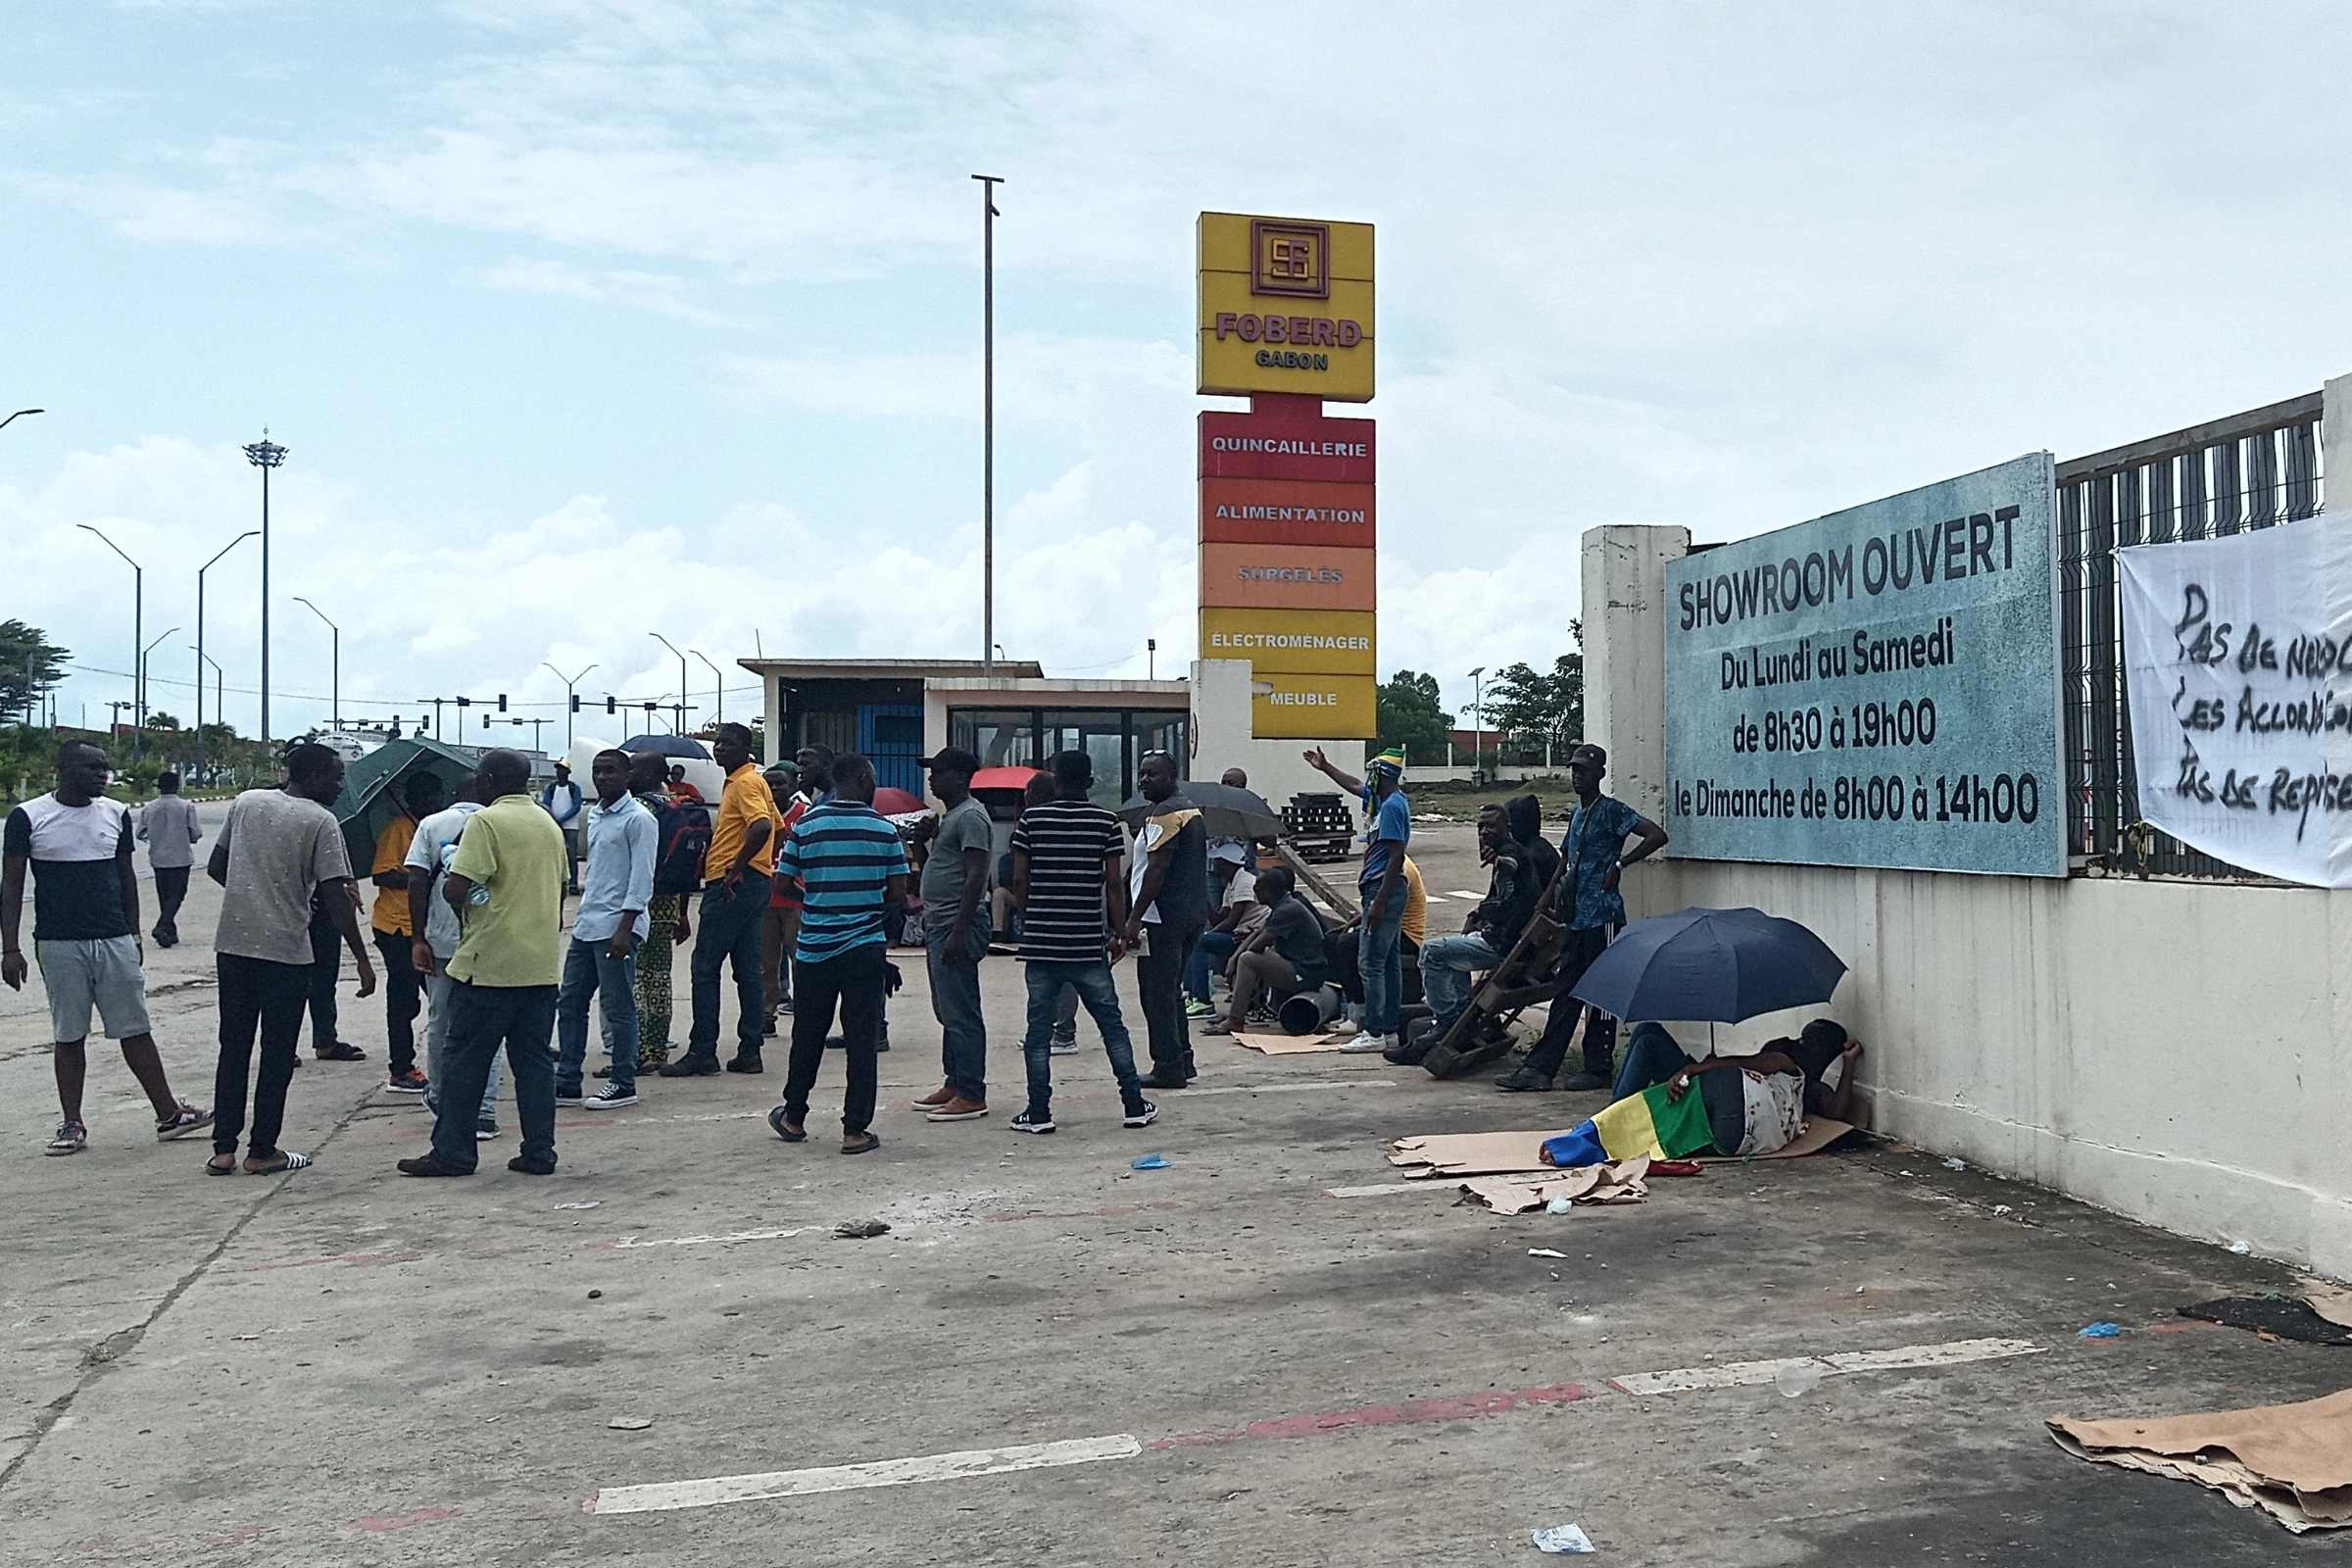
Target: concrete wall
(2177, 1051)
(1221, 738)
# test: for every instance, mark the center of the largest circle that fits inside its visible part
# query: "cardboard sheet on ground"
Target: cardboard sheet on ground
(2292, 1461)
(1282, 1045)
(1619, 1181)
(1507, 1153)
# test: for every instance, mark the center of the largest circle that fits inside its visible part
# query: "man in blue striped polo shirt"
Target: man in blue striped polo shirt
(847, 865)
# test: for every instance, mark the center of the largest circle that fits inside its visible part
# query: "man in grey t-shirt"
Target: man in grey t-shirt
(954, 890)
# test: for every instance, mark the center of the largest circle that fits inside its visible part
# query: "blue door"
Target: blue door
(891, 735)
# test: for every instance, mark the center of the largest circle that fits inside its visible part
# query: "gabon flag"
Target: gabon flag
(1647, 1123)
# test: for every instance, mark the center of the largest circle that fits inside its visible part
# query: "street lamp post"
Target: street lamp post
(1477, 700)
(143, 652)
(987, 423)
(569, 701)
(335, 690)
(138, 633)
(673, 647)
(217, 716)
(265, 454)
(718, 686)
(19, 414)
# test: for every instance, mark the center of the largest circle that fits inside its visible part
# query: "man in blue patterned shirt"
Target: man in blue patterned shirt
(1592, 909)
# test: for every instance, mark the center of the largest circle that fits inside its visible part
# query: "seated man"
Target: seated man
(1762, 1106)
(1282, 958)
(1488, 933)
(1213, 955)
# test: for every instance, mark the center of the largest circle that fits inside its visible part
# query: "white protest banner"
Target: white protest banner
(2239, 657)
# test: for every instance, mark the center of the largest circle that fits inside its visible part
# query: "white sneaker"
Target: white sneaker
(1342, 1028)
(1364, 1044)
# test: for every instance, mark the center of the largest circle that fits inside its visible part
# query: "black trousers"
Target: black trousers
(1160, 981)
(857, 981)
(170, 891)
(1577, 950)
(403, 1000)
(256, 992)
(327, 968)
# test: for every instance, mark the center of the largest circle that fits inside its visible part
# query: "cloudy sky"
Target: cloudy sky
(586, 321)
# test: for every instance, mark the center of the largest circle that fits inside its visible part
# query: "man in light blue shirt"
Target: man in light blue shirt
(614, 892)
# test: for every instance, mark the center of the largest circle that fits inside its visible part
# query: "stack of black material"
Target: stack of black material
(1318, 827)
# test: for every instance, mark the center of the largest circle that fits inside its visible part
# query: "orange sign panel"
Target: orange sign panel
(1263, 576)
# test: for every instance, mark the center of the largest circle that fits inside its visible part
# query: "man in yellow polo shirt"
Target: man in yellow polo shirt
(403, 995)
(506, 881)
(736, 874)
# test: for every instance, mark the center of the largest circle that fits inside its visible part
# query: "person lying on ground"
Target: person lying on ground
(1282, 958)
(1752, 1104)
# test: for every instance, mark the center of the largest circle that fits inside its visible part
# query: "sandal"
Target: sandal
(283, 1163)
(230, 1169)
(1220, 1030)
(341, 1050)
(777, 1119)
(864, 1143)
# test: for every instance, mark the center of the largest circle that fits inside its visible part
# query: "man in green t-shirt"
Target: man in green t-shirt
(506, 881)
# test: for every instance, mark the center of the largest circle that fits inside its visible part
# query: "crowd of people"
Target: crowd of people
(793, 888)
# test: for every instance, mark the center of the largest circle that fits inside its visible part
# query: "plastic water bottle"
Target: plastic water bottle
(477, 895)
(1795, 1378)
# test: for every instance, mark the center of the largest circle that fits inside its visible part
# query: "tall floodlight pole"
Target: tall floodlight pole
(265, 454)
(1477, 700)
(987, 423)
(138, 635)
(718, 686)
(200, 571)
(569, 701)
(335, 690)
(673, 647)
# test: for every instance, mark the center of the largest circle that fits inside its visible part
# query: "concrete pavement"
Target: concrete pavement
(1213, 1362)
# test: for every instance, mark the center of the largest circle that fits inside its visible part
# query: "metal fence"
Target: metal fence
(2253, 470)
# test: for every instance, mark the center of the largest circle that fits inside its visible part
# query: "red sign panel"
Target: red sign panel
(1287, 511)
(1271, 446)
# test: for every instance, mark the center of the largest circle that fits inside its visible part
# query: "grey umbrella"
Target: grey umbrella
(1226, 813)
(667, 746)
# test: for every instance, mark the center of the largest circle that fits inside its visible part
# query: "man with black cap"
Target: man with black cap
(956, 929)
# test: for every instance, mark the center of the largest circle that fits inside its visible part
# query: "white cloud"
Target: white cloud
(664, 293)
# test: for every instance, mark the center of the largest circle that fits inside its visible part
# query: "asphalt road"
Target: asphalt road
(1219, 1361)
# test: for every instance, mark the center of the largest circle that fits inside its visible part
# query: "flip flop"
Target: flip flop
(866, 1144)
(230, 1169)
(284, 1162)
(775, 1119)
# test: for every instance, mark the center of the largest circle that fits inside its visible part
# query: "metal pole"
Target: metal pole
(143, 652)
(265, 454)
(138, 632)
(1477, 700)
(569, 681)
(988, 423)
(673, 647)
(719, 688)
(337, 688)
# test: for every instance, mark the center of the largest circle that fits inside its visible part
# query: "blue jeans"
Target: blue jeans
(1446, 963)
(956, 1003)
(1208, 957)
(1092, 982)
(1652, 1056)
(436, 1044)
(728, 928)
(481, 1021)
(1378, 956)
(587, 972)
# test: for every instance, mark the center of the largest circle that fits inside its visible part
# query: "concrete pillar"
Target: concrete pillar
(1624, 656)
(2335, 435)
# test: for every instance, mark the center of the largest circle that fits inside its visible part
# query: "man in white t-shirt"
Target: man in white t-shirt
(437, 930)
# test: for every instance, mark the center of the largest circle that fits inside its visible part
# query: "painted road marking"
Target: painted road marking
(702, 1241)
(1746, 1374)
(1384, 1188)
(1472, 894)
(662, 1496)
(1287, 1089)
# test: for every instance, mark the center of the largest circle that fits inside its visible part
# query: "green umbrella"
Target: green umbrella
(374, 789)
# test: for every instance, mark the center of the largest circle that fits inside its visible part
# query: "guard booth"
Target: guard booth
(873, 706)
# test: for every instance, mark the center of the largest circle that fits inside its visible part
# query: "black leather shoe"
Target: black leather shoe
(1523, 1080)
(693, 1064)
(744, 1063)
(427, 1165)
(1154, 1080)
(1584, 1083)
(524, 1167)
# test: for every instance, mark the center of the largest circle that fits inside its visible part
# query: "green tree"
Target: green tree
(30, 664)
(1410, 717)
(1544, 707)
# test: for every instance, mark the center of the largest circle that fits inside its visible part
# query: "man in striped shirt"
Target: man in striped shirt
(846, 865)
(1066, 882)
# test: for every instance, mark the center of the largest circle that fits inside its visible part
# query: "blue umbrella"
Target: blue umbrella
(1722, 966)
(667, 746)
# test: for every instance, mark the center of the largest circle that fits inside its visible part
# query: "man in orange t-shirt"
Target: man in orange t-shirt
(389, 924)
(736, 874)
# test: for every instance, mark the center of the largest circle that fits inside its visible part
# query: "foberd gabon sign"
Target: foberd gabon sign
(1877, 687)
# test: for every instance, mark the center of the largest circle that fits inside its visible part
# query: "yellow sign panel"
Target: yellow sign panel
(1292, 706)
(1317, 642)
(1286, 306)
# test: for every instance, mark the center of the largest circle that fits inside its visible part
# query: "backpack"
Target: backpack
(682, 836)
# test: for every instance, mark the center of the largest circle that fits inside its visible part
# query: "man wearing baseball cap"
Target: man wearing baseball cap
(955, 931)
